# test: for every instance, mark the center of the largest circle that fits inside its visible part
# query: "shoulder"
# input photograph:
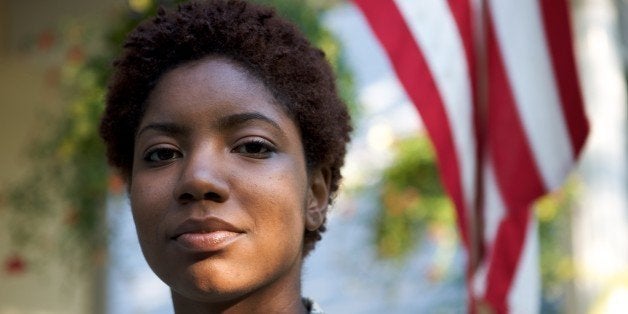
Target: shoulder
(312, 307)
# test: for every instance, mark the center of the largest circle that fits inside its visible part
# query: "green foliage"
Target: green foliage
(67, 179)
(554, 216)
(412, 199)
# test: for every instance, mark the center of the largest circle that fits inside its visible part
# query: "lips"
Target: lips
(209, 234)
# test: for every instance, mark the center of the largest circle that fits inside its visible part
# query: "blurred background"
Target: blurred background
(67, 241)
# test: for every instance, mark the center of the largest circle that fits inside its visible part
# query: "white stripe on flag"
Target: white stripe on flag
(525, 295)
(521, 38)
(445, 56)
(494, 208)
(493, 211)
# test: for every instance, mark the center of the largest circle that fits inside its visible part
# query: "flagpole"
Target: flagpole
(477, 249)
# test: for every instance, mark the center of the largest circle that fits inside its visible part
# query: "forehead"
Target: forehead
(215, 76)
(214, 83)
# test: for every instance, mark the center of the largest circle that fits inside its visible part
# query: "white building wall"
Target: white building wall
(600, 220)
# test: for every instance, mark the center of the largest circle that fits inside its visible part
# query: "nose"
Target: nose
(202, 179)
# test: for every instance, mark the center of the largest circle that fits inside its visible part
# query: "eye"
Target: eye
(161, 154)
(255, 148)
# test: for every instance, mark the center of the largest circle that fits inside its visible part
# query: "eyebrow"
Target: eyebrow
(228, 122)
(234, 120)
(170, 128)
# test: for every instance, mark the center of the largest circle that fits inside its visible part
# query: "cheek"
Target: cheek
(280, 203)
(148, 204)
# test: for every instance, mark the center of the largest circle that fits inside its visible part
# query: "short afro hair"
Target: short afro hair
(253, 36)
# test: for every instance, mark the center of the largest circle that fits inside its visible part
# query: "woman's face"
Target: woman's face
(219, 189)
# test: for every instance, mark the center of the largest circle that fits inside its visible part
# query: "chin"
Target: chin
(205, 282)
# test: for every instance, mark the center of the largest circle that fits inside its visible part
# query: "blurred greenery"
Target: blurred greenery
(412, 199)
(68, 178)
(553, 212)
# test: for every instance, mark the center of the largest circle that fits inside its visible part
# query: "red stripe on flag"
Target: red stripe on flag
(463, 15)
(413, 72)
(516, 174)
(505, 256)
(556, 21)
(515, 169)
(461, 11)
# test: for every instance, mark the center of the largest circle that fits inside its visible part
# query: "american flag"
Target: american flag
(496, 86)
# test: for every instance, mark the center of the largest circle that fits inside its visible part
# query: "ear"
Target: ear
(317, 198)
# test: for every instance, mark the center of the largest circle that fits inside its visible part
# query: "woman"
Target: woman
(227, 126)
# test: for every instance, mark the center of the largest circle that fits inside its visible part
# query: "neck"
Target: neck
(277, 304)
